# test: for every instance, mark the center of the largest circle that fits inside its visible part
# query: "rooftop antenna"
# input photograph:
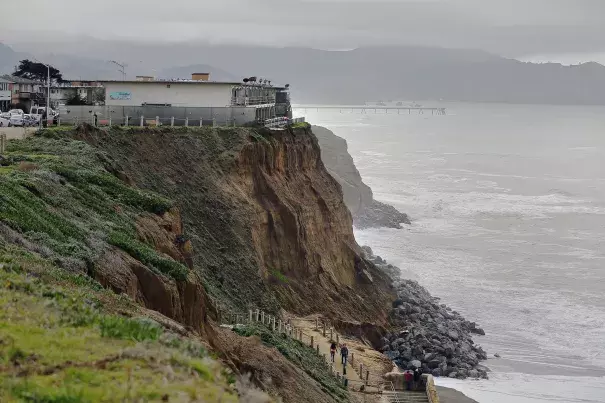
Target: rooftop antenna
(122, 68)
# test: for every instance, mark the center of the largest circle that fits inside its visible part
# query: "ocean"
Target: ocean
(508, 210)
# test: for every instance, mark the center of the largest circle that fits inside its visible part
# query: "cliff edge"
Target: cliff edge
(266, 220)
(366, 211)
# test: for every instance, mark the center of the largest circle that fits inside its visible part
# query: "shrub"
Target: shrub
(118, 327)
(148, 256)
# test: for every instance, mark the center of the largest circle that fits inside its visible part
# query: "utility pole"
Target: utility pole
(48, 91)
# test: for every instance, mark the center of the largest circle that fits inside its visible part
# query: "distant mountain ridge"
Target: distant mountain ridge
(355, 76)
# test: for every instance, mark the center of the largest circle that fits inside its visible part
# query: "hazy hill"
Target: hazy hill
(8, 59)
(373, 73)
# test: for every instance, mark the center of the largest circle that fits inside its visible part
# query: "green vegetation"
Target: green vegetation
(148, 256)
(59, 343)
(300, 125)
(300, 355)
(56, 193)
(278, 276)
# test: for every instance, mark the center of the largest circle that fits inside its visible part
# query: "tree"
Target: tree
(75, 99)
(37, 71)
(98, 96)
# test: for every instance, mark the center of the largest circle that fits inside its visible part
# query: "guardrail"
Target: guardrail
(282, 122)
(431, 389)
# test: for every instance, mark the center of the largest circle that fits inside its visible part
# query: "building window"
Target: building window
(167, 85)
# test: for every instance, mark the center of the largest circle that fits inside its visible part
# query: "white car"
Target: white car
(4, 122)
(16, 112)
(16, 120)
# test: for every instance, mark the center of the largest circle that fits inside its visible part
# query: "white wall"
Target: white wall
(174, 93)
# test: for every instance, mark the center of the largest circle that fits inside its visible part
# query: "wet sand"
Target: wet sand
(447, 395)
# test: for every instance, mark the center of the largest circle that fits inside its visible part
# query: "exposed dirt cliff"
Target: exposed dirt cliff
(165, 218)
(266, 220)
(367, 212)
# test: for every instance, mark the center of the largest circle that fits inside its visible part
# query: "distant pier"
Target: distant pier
(393, 110)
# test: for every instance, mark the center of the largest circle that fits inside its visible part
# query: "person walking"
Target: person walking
(344, 353)
(408, 377)
(332, 350)
(416, 379)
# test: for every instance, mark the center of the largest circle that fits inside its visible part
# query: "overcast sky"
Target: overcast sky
(508, 27)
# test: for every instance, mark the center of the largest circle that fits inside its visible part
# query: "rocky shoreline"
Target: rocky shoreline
(365, 210)
(428, 335)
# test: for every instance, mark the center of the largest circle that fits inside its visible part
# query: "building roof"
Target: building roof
(18, 80)
(179, 81)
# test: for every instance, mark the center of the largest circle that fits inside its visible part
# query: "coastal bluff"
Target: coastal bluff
(366, 211)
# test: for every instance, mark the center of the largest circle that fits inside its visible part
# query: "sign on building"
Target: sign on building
(120, 96)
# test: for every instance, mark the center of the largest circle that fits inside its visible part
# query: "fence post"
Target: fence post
(126, 121)
(337, 339)
(331, 334)
(274, 323)
(110, 121)
(2, 143)
(361, 370)
(187, 121)
(316, 324)
(262, 317)
(279, 327)
(311, 341)
(201, 122)
(157, 121)
(324, 329)
(213, 122)
(250, 315)
(318, 350)
(367, 377)
(301, 335)
(142, 120)
(257, 315)
(352, 358)
(172, 121)
(59, 121)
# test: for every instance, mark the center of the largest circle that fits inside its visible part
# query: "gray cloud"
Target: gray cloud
(510, 27)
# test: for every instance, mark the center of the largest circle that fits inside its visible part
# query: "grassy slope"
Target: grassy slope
(60, 337)
(59, 344)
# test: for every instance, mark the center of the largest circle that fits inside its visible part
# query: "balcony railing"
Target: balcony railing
(252, 101)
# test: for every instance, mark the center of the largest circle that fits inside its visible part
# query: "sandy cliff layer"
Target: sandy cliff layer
(266, 220)
(367, 212)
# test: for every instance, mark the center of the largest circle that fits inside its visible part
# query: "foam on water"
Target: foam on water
(508, 212)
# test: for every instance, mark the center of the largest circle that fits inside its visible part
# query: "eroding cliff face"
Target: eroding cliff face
(267, 222)
(183, 301)
(367, 212)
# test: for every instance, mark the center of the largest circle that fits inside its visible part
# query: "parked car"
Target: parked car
(16, 112)
(29, 121)
(4, 122)
(16, 120)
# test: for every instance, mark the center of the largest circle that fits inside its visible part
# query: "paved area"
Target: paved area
(17, 132)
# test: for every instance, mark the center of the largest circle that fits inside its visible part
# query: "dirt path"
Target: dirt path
(308, 326)
(16, 132)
